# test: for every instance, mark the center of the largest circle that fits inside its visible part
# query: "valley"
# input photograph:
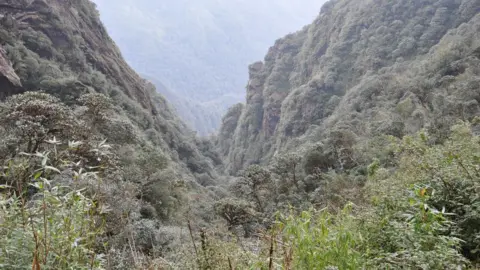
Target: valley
(357, 145)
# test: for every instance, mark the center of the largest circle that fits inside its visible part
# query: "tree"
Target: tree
(342, 142)
(149, 162)
(286, 166)
(258, 180)
(235, 212)
(318, 158)
(30, 118)
(97, 108)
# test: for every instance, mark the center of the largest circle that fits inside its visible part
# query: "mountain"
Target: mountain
(81, 129)
(196, 52)
(357, 148)
(64, 49)
(358, 142)
(381, 67)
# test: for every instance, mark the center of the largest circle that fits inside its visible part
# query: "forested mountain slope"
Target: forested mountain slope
(361, 69)
(196, 52)
(358, 146)
(61, 47)
(84, 124)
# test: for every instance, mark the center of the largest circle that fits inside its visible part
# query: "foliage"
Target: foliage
(235, 212)
(58, 231)
(422, 216)
(317, 157)
(31, 118)
(412, 235)
(258, 181)
(445, 177)
(287, 167)
(450, 174)
(405, 233)
(166, 193)
(98, 106)
(52, 205)
(209, 252)
(320, 241)
(49, 222)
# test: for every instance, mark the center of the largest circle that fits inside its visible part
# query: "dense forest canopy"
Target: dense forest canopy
(357, 148)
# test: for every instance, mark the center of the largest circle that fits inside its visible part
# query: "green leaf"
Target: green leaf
(37, 175)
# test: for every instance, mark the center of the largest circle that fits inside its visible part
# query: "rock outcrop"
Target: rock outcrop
(65, 24)
(9, 81)
(353, 69)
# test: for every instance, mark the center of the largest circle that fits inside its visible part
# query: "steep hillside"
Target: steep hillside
(361, 69)
(62, 48)
(358, 144)
(199, 49)
(105, 137)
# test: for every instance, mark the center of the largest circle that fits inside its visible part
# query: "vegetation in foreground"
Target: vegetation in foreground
(418, 210)
(416, 206)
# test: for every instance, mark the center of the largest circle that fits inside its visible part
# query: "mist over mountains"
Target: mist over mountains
(197, 52)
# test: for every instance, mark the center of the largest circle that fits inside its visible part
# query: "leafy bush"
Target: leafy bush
(450, 172)
(31, 118)
(407, 233)
(446, 177)
(49, 222)
(319, 241)
(404, 233)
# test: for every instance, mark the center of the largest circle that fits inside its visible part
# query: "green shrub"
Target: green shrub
(451, 173)
(448, 174)
(48, 223)
(408, 233)
(321, 240)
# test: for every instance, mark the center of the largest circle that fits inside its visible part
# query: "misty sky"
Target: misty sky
(200, 49)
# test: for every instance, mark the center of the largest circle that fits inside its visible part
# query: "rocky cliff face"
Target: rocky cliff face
(366, 67)
(61, 47)
(67, 25)
(9, 80)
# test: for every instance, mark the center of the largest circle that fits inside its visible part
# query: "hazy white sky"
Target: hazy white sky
(200, 49)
